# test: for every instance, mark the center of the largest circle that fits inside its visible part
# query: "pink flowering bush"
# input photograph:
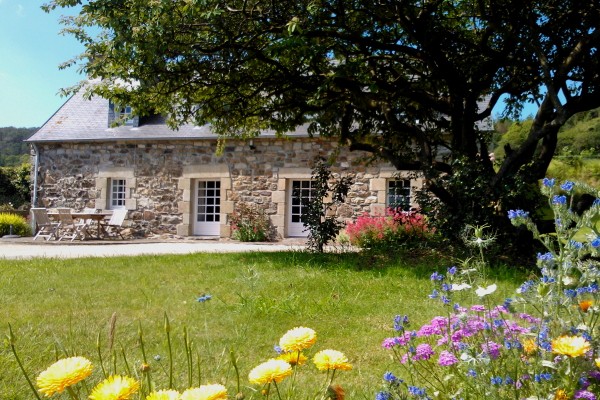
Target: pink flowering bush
(389, 230)
(541, 344)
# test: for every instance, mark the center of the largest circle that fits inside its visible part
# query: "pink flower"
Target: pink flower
(446, 359)
(423, 352)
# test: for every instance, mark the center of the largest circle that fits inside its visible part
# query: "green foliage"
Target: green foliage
(322, 226)
(514, 136)
(15, 185)
(249, 223)
(13, 150)
(19, 225)
(476, 203)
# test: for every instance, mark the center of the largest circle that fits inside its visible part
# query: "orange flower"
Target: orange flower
(561, 395)
(584, 305)
(529, 346)
(293, 358)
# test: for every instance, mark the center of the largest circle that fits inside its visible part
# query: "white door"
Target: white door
(207, 213)
(299, 196)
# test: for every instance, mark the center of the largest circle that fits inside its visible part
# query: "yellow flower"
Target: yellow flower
(270, 371)
(63, 373)
(331, 359)
(293, 358)
(572, 346)
(205, 392)
(584, 305)
(597, 361)
(529, 346)
(163, 395)
(298, 339)
(560, 395)
(115, 387)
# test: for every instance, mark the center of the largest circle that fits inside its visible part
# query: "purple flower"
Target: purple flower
(472, 373)
(452, 270)
(478, 308)
(491, 348)
(584, 394)
(446, 359)
(423, 352)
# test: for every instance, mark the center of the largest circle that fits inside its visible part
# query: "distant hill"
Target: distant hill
(13, 151)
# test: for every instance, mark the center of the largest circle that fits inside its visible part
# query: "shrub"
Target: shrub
(541, 344)
(387, 231)
(249, 223)
(323, 227)
(19, 224)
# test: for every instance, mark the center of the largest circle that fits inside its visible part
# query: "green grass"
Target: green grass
(59, 307)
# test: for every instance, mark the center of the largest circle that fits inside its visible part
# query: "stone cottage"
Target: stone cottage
(186, 182)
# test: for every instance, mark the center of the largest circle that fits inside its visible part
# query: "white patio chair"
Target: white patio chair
(46, 227)
(69, 228)
(114, 226)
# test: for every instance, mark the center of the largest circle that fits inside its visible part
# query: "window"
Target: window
(302, 192)
(117, 193)
(124, 114)
(398, 194)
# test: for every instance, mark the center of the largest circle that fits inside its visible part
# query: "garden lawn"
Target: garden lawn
(63, 307)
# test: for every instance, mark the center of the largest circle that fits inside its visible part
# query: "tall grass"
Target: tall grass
(61, 307)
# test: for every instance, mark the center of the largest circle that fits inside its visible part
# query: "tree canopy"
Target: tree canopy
(401, 79)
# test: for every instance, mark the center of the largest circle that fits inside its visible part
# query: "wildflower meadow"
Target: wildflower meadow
(539, 342)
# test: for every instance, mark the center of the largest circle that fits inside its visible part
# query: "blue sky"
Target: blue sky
(31, 50)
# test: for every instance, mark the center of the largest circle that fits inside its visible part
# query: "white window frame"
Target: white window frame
(117, 193)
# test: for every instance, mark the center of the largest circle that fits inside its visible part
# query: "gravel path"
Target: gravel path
(25, 248)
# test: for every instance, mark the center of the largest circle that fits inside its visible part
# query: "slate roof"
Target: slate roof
(83, 120)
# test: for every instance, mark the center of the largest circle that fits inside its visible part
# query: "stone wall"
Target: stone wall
(160, 176)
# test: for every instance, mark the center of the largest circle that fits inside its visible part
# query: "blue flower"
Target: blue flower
(526, 286)
(278, 349)
(446, 287)
(472, 373)
(445, 300)
(548, 182)
(512, 214)
(508, 380)
(452, 270)
(383, 396)
(570, 293)
(434, 294)
(416, 391)
(391, 378)
(596, 242)
(544, 376)
(400, 321)
(203, 298)
(596, 202)
(567, 186)
(576, 245)
(545, 257)
(437, 276)
(558, 200)
(496, 380)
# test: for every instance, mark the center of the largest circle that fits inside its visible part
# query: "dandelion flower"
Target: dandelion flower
(63, 373)
(205, 392)
(270, 371)
(572, 346)
(293, 358)
(115, 387)
(331, 359)
(298, 339)
(164, 395)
